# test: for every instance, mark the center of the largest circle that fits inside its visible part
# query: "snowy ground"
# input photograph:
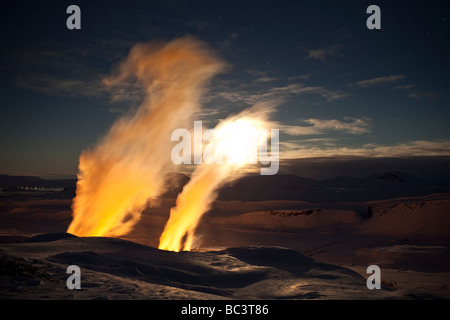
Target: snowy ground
(119, 269)
(280, 249)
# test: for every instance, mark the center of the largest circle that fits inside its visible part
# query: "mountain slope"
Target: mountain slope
(338, 189)
(118, 269)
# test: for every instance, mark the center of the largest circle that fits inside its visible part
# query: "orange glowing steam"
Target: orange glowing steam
(233, 138)
(120, 175)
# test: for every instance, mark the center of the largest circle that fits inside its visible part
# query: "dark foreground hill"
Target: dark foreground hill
(118, 269)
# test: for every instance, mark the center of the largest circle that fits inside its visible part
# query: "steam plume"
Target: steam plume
(235, 133)
(125, 170)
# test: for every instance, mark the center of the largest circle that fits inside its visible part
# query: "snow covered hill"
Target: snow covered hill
(422, 218)
(119, 269)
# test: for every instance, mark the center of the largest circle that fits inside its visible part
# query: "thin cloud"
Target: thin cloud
(306, 76)
(261, 76)
(421, 95)
(283, 93)
(329, 95)
(229, 42)
(53, 85)
(299, 130)
(323, 140)
(322, 54)
(350, 125)
(208, 112)
(320, 126)
(72, 71)
(266, 79)
(378, 81)
(419, 148)
(299, 89)
(405, 87)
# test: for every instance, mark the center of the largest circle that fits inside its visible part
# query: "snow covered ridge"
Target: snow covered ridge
(395, 217)
(119, 269)
(421, 219)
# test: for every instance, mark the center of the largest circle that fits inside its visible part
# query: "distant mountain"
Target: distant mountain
(284, 187)
(7, 181)
(344, 182)
(174, 183)
(279, 187)
(396, 176)
(338, 189)
(391, 177)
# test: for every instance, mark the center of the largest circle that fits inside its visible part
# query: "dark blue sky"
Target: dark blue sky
(347, 91)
